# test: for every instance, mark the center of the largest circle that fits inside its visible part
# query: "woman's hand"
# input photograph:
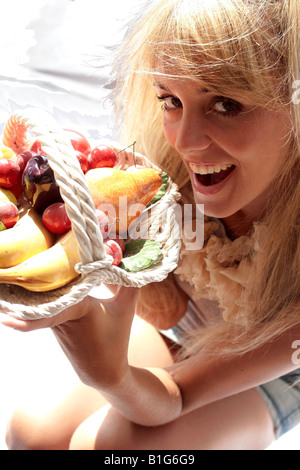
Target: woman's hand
(94, 335)
(75, 312)
(71, 313)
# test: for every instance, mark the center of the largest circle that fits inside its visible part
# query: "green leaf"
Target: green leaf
(140, 254)
(2, 226)
(163, 189)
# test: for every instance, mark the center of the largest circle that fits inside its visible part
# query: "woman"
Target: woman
(217, 376)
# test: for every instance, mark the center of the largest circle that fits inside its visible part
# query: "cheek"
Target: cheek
(272, 137)
(170, 131)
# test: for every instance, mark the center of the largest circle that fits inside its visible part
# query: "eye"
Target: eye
(170, 103)
(226, 107)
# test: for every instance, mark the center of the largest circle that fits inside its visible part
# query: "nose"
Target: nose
(193, 134)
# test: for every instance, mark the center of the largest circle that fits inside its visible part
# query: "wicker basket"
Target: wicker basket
(95, 266)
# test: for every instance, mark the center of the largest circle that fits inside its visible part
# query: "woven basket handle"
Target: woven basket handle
(68, 175)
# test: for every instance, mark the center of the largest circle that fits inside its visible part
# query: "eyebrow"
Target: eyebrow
(165, 88)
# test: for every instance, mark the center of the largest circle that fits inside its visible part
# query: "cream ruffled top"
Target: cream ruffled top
(219, 270)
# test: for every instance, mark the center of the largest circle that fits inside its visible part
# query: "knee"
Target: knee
(104, 430)
(20, 432)
(88, 433)
(27, 432)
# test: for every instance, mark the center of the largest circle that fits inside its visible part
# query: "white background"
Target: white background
(47, 59)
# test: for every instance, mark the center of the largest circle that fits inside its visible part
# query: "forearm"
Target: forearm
(206, 378)
(95, 353)
(145, 396)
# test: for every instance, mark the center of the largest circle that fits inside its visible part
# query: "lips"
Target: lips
(210, 178)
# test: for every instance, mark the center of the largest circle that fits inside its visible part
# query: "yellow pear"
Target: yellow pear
(122, 195)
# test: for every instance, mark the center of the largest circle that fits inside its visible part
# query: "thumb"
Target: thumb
(125, 296)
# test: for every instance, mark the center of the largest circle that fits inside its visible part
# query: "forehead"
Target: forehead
(197, 76)
(187, 87)
(167, 84)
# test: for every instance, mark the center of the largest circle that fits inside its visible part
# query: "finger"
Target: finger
(22, 325)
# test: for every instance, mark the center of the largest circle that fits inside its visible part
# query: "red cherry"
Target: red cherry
(78, 141)
(120, 242)
(9, 213)
(113, 249)
(37, 147)
(83, 161)
(102, 156)
(55, 218)
(104, 222)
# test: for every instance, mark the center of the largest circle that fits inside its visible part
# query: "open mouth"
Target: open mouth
(210, 176)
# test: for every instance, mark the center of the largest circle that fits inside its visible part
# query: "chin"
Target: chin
(217, 214)
(216, 210)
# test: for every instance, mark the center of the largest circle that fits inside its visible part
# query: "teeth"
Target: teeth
(206, 170)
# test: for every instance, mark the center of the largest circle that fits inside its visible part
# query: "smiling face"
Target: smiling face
(232, 149)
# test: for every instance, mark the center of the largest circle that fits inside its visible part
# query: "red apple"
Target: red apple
(17, 188)
(9, 173)
(113, 249)
(9, 213)
(78, 141)
(102, 156)
(55, 218)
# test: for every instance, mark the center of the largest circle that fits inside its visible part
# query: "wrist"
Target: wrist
(73, 314)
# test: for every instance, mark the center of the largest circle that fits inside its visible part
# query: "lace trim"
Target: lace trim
(220, 270)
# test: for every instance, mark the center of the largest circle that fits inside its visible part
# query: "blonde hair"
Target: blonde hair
(249, 46)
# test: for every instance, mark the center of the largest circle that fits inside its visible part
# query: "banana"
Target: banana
(7, 195)
(48, 270)
(25, 239)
